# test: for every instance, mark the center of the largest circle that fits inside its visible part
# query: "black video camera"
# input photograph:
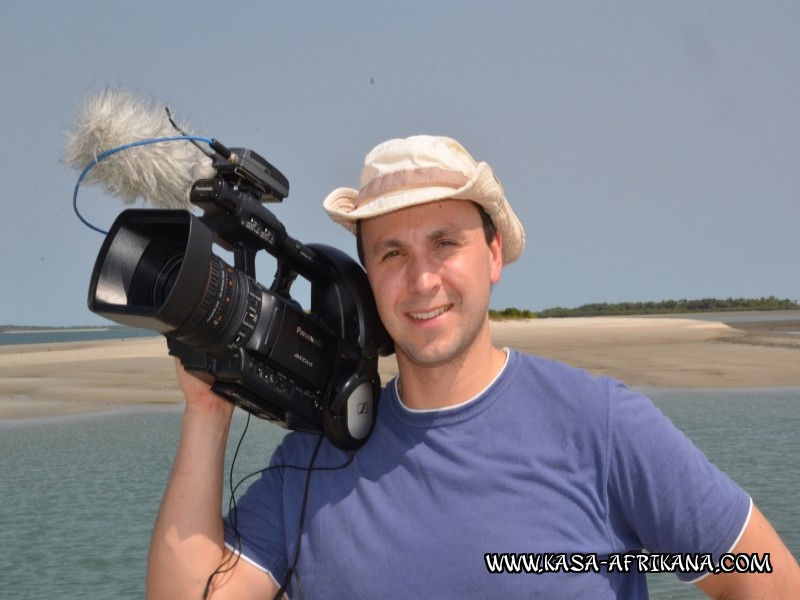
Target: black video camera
(315, 371)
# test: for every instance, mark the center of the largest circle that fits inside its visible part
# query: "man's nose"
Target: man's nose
(423, 274)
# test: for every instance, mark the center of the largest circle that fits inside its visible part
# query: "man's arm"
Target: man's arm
(188, 539)
(758, 538)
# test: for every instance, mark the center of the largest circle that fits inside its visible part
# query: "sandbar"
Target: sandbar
(41, 380)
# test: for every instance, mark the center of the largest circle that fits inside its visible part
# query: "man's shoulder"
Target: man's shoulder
(537, 372)
(554, 394)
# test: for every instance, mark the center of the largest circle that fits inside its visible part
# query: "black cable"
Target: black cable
(182, 132)
(292, 568)
(237, 540)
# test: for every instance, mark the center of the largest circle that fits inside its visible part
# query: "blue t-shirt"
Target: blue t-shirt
(547, 459)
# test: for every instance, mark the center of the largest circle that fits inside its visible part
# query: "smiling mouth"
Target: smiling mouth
(431, 314)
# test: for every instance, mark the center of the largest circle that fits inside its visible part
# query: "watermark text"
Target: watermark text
(642, 562)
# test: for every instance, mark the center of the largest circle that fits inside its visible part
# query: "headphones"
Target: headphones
(353, 409)
(347, 299)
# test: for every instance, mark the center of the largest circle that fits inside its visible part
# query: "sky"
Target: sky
(650, 149)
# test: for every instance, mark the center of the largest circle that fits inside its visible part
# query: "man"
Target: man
(477, 451)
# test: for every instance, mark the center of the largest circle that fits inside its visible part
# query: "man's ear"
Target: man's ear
(496, 250)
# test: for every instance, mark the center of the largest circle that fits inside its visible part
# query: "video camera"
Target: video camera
(312, 371)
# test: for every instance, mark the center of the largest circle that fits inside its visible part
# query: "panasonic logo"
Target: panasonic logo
(307, 336)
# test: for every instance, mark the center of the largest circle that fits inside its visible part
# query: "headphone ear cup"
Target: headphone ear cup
(351, 414)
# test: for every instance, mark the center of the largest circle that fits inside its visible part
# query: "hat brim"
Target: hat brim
(482, 188)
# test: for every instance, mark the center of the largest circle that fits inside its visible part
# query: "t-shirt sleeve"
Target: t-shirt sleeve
(663, 488)
(255, 526)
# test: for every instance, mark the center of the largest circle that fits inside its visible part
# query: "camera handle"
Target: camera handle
(284, 278)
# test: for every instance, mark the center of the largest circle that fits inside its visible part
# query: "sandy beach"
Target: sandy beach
(69, 378)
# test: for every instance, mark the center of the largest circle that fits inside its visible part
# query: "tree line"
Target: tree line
(606, 309)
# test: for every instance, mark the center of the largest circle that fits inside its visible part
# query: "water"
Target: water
(789, 320)
(57, 336)
(78, 495)
(754, 436)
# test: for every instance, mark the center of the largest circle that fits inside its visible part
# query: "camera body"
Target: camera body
(313, 371)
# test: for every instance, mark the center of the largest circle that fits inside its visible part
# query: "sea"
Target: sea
(79, 494)
(55, 336)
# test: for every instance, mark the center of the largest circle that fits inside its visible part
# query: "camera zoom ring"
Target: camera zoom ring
(218, 315)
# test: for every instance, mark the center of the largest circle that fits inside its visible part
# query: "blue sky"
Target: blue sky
(649, 148)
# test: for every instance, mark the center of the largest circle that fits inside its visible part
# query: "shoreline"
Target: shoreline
(13, 331)
(70, 378)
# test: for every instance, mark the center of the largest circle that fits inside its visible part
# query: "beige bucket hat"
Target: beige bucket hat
(406, 172)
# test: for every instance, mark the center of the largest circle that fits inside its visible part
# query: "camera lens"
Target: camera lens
(213, 295)
(220, 313)
(166, 278)
(156, 270)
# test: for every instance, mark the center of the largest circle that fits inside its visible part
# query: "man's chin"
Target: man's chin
(431, 356)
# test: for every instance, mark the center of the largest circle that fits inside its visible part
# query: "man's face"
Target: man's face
(431, 272)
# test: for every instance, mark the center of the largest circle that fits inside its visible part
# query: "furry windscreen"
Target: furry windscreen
(161, 173)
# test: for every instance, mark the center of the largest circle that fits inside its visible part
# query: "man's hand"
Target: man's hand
(196, 387)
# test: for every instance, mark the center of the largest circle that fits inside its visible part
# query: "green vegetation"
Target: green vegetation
(651, 308)
(511, 313)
